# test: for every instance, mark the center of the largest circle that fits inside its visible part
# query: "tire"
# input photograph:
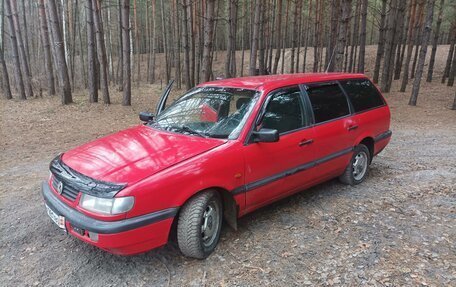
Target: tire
(354, 173)
(201, 212)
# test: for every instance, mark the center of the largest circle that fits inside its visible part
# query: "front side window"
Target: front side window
(284, 111)
(362, 94)
(209, 112)
(328, 102)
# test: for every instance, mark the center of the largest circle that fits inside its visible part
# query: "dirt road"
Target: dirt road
(397, 228)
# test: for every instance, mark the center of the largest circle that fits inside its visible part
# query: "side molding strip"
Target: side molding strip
(256, 184)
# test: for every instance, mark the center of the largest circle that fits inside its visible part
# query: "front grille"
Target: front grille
(67, 191)
(74, 182)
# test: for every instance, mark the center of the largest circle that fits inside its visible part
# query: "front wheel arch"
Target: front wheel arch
(229, 207)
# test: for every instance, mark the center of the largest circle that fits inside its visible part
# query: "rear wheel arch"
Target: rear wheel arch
(369, 143)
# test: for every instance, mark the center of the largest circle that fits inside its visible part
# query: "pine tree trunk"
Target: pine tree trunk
(316, 36)
(272, 36)
(413, 19)
(423, 51)
(294, 36)
(261, 44)
(194, 28)
(120, 67)
(46, 48)
(362, 41)
(447, 69)
(91, 62)
(15, 51)
(435, 42)
(81, 54)
(381, 43)
(418, 40)
(397, 39)
(452, 74)
(255, 36)
(332, 35)
(177, 47)
(26, 34)
(230, 63)
(402, 45)
(148, 41)
(300, 36)
(208, 40)
(284, 40)
(355, 36)
(62, 69)
(5, 77)
(154, 42)
(243, 37)
(185, 33)
(306, 41)
(22, 51)
(389, 47)
(126, 101)
(342, 40)
(101, 51)
(165, 44)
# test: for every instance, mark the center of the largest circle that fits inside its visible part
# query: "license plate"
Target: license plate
(58, 219)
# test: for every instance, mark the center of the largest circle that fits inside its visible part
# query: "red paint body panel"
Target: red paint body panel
(163, 169)
(133, 154)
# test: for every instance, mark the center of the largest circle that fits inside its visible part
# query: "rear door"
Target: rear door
(334, 128)
(272, 169)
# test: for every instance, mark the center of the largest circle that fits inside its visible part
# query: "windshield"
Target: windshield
(208, 112)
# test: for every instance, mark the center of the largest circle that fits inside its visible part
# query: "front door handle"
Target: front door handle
(305, 142)
(353, 127)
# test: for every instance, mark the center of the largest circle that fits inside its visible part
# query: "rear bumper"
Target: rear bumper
(124, 237)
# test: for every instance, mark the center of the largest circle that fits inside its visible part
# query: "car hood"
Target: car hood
(133, 154)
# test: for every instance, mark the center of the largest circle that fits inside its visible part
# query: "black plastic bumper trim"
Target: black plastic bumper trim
(383, 136)
(83, 221)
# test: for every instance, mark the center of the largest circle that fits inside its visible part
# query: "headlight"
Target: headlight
(110, 206)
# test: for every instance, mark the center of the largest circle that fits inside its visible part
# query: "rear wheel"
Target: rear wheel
(199, 225)
(357, 169)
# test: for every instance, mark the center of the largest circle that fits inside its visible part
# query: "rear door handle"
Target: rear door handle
(305, 142)
(353, 127)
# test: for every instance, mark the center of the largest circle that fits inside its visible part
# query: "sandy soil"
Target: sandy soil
(396, 228)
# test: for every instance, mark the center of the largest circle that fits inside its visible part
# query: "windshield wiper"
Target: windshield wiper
(188, 129)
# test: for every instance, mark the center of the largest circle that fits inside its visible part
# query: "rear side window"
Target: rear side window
(362, 94)
(328, 102)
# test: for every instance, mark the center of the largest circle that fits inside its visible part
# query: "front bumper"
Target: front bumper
(125, 237)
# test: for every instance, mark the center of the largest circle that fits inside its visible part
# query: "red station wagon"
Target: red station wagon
(220, 151)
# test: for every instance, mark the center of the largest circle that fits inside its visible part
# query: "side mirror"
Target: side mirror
(146, 116)
(266, 136)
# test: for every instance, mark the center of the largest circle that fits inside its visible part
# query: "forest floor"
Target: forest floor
(396, 228)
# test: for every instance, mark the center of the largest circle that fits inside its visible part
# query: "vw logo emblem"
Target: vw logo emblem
(60, 187)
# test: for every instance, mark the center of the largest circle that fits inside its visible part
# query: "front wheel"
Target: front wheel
(357, 169)
(199, 225)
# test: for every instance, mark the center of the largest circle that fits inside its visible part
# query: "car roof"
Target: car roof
(271, 82)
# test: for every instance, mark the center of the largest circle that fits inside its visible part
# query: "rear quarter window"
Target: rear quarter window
(362, 94)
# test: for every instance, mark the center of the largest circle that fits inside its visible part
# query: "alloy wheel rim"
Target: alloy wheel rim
(360, 165)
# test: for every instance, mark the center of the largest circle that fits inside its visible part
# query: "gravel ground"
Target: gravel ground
(396, 228)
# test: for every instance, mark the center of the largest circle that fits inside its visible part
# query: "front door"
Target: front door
(273, 169)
